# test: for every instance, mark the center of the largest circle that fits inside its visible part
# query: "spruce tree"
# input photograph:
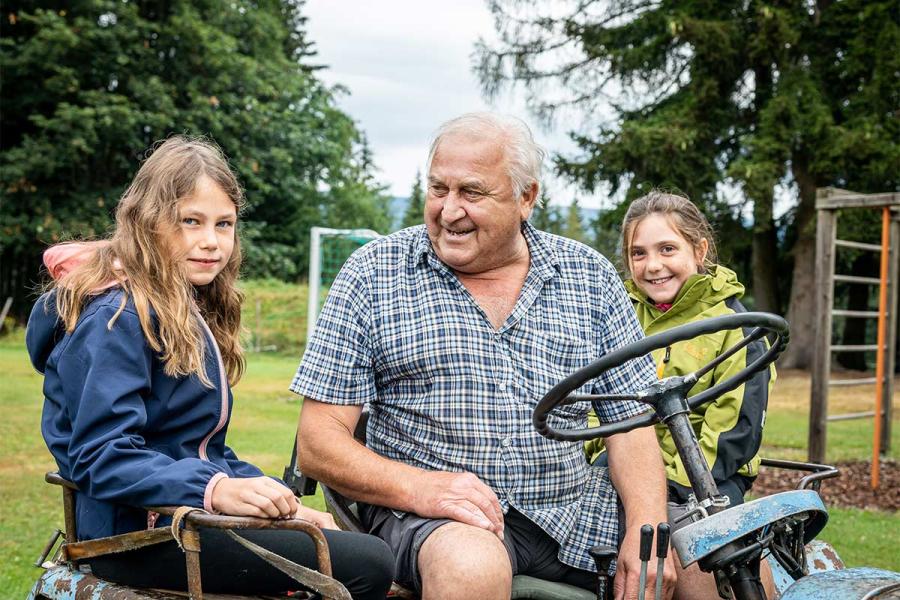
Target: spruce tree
(574, 226)
(752, 93)
(415, 209)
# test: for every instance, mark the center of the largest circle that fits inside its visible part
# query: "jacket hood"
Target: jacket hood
(716, 285)
(44, 327)
(63, 259)
(44, 330)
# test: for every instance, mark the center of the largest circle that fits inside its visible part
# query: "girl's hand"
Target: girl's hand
(254, 497)
(320, 519)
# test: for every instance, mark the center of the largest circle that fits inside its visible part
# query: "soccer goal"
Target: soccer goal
(328, 250)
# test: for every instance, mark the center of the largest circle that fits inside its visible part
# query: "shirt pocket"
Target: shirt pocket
(560, 355)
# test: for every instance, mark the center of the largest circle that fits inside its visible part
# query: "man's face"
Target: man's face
(473, 219)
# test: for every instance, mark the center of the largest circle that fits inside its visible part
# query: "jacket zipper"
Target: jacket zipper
(153, 516)
(665, 361)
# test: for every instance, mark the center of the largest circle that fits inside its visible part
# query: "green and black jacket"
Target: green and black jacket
(730, 427)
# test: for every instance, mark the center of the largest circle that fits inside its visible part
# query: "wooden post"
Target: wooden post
(881, 355)
(888, 397)
(826, 220)
(5, 311)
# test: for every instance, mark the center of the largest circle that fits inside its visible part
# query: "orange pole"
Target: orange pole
(882, 335)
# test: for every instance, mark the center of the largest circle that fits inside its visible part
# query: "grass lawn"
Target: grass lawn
(788, 423)
(265, 419)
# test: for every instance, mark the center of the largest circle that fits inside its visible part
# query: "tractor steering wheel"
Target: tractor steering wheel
(658, 392)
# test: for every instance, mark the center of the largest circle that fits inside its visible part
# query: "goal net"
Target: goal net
(328, 250)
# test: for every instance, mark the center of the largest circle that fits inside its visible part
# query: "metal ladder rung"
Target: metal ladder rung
(854, 347)
(846, 382)
(857, 279)
(848, 416)
(858, 245)
(854, 313)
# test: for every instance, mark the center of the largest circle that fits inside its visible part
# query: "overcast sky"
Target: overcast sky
(407, 64)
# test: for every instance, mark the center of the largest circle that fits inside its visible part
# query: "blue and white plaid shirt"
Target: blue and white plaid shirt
(446, 391)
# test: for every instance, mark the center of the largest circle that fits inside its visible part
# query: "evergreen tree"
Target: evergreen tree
(546, 216)
(540, 217)
(415, 210)
(358, 200)
(604, 234)
(703, 92)
(88, 85)
(574, 227)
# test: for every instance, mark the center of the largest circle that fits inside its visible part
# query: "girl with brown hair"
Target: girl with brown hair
(138, 341)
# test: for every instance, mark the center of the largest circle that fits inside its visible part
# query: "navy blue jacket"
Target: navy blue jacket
(126, 433)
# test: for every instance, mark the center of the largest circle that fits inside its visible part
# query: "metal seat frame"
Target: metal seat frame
(71, 552)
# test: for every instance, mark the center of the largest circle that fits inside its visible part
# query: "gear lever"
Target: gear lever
(603, 556)
(662, 550)
(646, 545)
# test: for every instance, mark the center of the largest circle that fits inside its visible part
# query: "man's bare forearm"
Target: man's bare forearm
(328, 452)
(637, 472)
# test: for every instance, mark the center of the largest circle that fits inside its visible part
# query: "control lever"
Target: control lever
(646, 546)
(662, 551)
(603, 556)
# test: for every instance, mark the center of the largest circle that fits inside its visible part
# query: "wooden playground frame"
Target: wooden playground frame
(828, 202)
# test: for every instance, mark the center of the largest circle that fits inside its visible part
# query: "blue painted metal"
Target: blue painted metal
(63, 583)
(846, 584)
(820, 556)
(701, 538)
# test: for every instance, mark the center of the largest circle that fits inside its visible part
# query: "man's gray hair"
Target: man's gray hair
(524, 155)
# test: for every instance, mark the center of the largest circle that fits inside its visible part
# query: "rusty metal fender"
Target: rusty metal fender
(63, 583)
(820, 556)
(858, 583)
(701, 538)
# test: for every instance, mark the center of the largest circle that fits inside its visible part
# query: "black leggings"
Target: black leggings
(363, 563)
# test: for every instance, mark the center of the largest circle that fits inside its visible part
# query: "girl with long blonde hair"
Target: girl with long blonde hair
(138, 341)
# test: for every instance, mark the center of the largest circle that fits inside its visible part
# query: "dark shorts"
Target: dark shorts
(531, 550)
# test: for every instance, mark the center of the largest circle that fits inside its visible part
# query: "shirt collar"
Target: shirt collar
(544, 261)
(422, 246)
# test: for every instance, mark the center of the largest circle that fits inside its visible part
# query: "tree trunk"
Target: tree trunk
(764, 258)
(801, 315)
(19, 279)
(765, 242)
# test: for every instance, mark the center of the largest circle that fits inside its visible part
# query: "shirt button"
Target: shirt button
(502, 386)
(506, 442)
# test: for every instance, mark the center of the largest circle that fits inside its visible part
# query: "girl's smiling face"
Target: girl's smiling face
(205, 239)
(661, 259)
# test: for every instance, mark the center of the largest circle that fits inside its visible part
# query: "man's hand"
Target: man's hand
(461, 497)
(628, 569)
(253, 497)
(636, 469)
(320, 519)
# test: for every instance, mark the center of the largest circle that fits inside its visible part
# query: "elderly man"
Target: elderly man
(451, 332)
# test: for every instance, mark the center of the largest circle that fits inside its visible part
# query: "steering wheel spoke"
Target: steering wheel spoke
(561, 393)
(574, 398)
